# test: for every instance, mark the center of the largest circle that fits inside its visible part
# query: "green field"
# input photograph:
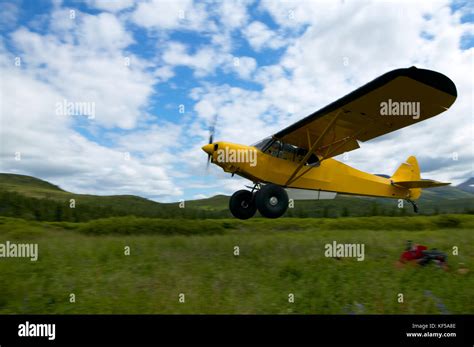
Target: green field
(195, 257)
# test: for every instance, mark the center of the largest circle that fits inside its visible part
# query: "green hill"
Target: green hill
(31, 198)
(27, 184)
(36, 188)
(467, 186)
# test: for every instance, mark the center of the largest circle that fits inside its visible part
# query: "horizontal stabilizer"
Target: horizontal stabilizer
(420, 184)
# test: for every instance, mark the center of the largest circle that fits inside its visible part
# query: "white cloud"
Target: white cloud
(92, 69)
(153, 139)
(83, 60)
(234, 106)
(260, 36)
(164, 73)
(204, 61)
(103, 32)
(232, 14)
(171, 15)
(110, 5)
(9, 15)
(205, 109)
(50, 149)
(244, 66)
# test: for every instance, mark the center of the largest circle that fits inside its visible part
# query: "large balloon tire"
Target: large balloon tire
(272, 201)
(242, 204)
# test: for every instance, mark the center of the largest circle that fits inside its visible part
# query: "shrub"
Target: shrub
(448, 221)
(134, 225)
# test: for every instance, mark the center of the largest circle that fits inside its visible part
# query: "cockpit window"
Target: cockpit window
(274, 149)
(261, 145)
(278, 149)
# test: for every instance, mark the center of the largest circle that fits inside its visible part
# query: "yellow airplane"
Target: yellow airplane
(299, 158)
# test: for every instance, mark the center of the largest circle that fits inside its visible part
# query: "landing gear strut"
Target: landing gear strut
(415, 206)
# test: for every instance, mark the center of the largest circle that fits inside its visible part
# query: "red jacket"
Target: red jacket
(417, 253)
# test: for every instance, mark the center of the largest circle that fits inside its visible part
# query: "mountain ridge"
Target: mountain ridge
(42, 200)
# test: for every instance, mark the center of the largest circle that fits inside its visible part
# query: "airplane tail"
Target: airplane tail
(407, 171)
(408, 176)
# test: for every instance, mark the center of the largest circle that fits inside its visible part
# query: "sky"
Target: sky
(152, 76)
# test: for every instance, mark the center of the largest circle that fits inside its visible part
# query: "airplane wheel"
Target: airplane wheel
(242, 204)
(272, 201)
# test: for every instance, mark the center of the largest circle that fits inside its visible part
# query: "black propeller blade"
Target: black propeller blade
(212, 129)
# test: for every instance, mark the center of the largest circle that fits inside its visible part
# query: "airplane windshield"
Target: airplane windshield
(281, 150)
(261, 145)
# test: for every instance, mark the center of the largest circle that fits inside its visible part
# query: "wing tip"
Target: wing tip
(433, 79)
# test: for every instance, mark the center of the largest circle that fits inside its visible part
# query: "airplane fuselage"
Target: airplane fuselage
(330, 175)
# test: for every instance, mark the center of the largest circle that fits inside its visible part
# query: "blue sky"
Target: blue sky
(254, 66)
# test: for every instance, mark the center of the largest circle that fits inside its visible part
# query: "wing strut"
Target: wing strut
(330, 151)
(312, 149)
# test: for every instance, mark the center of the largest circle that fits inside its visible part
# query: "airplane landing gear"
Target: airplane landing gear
(242, 204)
(415, 206)
(271, 201)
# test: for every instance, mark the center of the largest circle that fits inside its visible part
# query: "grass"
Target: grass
(277, 257)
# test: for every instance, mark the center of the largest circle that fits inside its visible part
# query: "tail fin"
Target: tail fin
(407, 171)
(408, 176)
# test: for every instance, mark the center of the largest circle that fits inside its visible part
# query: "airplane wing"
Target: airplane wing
(386, 104)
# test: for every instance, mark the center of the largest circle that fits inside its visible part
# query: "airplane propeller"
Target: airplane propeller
(211, 137)
(212, 130)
